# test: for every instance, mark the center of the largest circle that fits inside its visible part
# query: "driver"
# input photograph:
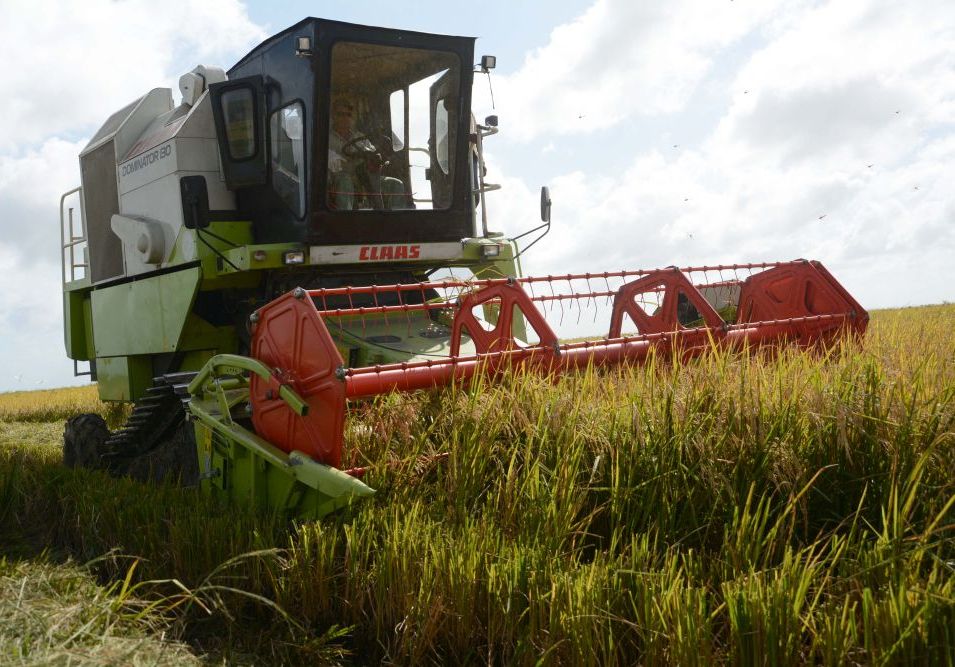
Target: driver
(342, 184)
(354, 165)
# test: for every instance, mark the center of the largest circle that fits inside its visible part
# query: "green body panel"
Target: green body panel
(123, 378)
(88, 327)
(144, 316)
(220, 235)
(237, 465)
(198, 334)
(409, 336)
(77, 322)
(138, 320)
(244, 260)
(196, 359)
(505, 265)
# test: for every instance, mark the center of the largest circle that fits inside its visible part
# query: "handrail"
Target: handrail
(70, 242)
(231, 362)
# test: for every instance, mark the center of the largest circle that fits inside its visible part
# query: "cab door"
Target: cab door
(238, 110)
(442, 139)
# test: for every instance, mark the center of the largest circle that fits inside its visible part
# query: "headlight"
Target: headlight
(294, 257)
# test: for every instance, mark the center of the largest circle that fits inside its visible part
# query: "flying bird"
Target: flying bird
(869, 166)
(823, 216)
(676, 145)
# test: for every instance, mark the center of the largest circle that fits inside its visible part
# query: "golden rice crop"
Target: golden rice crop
(49, 404)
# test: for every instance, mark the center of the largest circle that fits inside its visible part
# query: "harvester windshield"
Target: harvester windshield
(391, 138)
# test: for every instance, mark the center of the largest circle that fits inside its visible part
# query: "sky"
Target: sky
(683, 132)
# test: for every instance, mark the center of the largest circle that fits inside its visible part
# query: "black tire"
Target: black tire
(83, 439)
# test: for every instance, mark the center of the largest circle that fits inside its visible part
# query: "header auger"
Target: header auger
(247, 261)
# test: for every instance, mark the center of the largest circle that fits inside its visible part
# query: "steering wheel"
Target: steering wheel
(355, 147)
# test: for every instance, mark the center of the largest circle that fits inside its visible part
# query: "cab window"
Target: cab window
(238, 111)
(391, 127)
(287, 154)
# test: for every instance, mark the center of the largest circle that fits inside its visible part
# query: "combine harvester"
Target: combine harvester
(247, 261)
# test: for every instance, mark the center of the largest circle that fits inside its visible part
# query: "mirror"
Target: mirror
(292, 121)
(195, 202)
(545, 204)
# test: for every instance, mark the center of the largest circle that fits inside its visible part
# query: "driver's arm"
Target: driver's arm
(336, 161)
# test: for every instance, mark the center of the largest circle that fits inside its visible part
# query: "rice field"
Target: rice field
(49, 404)
(736, 509)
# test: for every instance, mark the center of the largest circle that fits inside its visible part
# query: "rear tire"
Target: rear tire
(83, 439)
(175, 459)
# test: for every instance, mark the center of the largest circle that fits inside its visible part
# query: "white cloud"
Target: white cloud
(869, 77)
(31, 184)
(621, 59)
(68, 65)
(31, 320)
(807, 156)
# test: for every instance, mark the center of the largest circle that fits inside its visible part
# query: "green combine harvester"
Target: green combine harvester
(294, 234)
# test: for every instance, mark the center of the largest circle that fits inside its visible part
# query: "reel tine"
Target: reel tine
(580, 306)
(351, 305)
(557, 302)
(401, 303)
(374, 294)
(593, 296)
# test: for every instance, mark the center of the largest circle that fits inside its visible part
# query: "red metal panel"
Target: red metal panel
(671, 284)
(500, 337)
(290, 337)
(858, 317)
(799, 290)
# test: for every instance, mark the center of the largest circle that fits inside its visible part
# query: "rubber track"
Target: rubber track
(154, 419)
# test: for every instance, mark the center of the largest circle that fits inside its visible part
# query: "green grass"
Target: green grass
(736, 509)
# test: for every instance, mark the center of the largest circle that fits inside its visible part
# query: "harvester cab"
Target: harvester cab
(339, 135)
(270, 248)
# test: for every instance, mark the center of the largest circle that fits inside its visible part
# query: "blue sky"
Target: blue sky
(683, 132)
